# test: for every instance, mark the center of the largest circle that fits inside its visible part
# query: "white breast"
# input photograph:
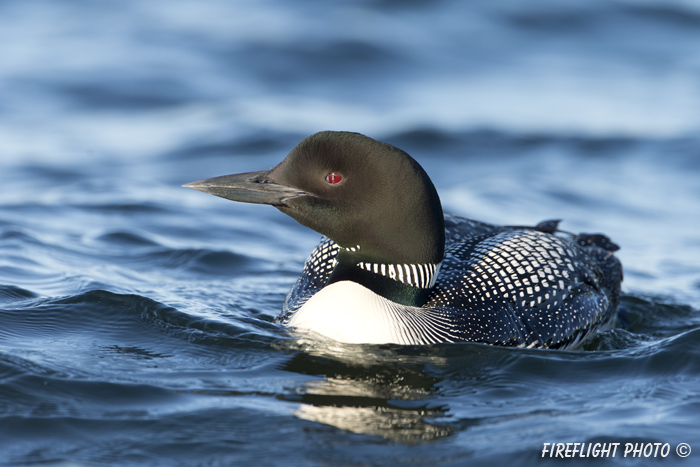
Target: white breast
(348, 312)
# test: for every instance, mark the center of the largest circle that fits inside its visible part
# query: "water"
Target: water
(136, 317)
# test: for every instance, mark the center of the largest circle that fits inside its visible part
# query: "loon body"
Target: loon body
(392, 268)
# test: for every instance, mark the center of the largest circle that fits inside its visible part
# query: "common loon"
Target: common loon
(392, 268)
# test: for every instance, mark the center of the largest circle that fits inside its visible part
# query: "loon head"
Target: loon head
(371, 198)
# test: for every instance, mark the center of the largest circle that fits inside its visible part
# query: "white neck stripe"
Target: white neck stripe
(415, 275)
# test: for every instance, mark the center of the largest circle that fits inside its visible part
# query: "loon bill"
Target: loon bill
(391, 268)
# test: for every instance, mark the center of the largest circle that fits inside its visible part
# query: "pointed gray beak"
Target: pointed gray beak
(251, 187)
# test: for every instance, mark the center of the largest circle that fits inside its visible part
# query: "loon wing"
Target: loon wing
(524, 288)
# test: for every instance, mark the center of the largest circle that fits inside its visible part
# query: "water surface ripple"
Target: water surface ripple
(137, 317)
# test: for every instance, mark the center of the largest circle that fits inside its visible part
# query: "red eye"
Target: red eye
(333, 178)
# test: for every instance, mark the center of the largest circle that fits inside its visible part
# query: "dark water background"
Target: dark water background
(136, 317)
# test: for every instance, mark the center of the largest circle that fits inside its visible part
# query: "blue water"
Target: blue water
(137, 317)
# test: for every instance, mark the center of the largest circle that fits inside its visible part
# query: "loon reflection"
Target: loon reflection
(362, 393)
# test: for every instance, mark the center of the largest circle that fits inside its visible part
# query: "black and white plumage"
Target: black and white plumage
(392, 269)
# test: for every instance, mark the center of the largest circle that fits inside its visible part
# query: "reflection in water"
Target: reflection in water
(364, 416)
(369, 390)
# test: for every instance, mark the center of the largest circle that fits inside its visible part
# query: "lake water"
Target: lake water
(137, 317)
